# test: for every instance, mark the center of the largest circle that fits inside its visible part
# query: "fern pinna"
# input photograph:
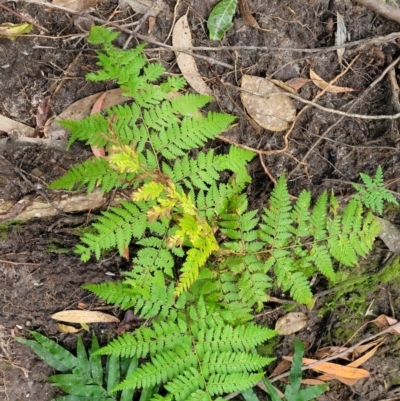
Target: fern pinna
(206, 261)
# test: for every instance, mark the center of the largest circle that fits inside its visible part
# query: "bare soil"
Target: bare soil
(41, 275)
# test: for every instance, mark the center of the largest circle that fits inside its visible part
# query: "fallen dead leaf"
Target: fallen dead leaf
(297, 83)
(318, 81)
(273, 113)
(332, 350)
(65, 328)
(82, 108)
(81, 316)
(335, 369)
(43, 113)
(182, 38)
(291, 323)
(340, 36)
(248, 17)
(344, 380)
(383, 322)
(76, 5)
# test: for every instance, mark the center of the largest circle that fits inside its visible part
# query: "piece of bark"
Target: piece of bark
(39, 207)
(381, 8)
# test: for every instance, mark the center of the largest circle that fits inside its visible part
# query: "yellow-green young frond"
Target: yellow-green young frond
(195, 259)
(124, 159)
(149, 191)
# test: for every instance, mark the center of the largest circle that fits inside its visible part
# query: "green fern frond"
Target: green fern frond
(148, 341)
(115, 229)
(92, 173)
(373, 194)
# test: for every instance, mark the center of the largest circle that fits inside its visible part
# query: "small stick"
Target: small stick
(26, 19)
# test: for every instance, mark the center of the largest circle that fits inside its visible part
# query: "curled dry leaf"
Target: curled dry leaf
(340, 36)
(322, 84)
(248, 17)
(182, 38)
(66, 328)
(291, 323)
(81, 316)
(297, 83)
(271, 112)
(383, 322)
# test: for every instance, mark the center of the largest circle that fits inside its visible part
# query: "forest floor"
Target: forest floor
(39, 272)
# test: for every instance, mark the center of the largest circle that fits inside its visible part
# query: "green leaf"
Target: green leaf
(112, 372)
(220, 18)
(249, 395)
(51, 353)
(127, 393)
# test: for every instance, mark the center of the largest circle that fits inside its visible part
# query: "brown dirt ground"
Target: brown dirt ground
(40, 274)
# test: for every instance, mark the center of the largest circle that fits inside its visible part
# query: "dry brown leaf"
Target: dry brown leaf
(81, 316)
(348, 382)
(291, 323)
(182, 38)
(335, 369)
(65, 328)
(318, 81)
(282, 366)
(43, 114)
(358, 362)
(297, 83)
(273, 113)
(76, 5)
(332, 350)
(248, 17)
(312, 382)
(384, 322)
(81, 108)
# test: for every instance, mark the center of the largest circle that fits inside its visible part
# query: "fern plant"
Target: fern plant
(373, 193)
(205, 261)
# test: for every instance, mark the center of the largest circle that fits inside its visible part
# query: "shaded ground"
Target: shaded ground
(40, 274)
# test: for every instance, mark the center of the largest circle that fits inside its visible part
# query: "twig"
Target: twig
(130, 32)
(358, 100)
(26, 19)
(346, 351)
(9, 262)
